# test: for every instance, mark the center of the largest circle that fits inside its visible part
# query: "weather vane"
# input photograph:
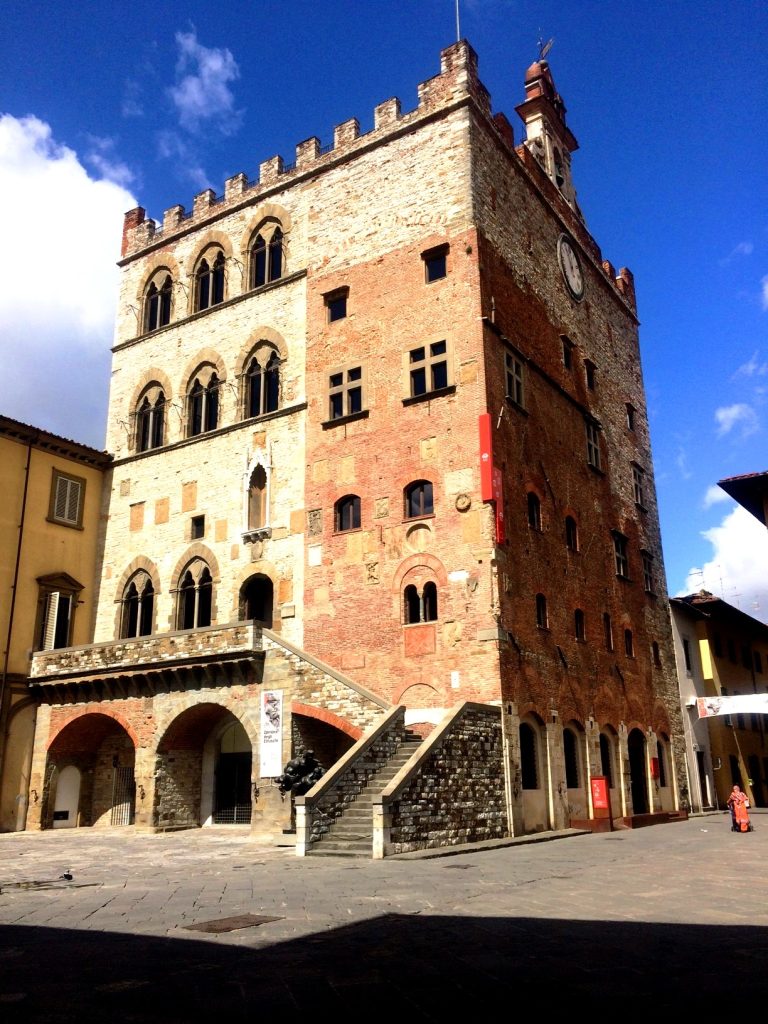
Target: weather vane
(544, 48)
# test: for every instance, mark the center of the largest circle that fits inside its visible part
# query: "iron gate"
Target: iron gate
(123, 789)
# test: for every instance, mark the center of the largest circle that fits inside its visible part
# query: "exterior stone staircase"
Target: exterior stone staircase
(351, 835)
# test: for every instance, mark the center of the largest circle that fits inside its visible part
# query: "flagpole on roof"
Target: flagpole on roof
(458, 29)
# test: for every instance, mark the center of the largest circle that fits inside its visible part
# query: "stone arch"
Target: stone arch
(89, 711)
(660, 720)
(427, 696)
(196, 550)
(243, 714)
(268, 334)
(209, 240)
(205, 357)
(192, 785)
(328, 717)
(159, 261)
(150, 376)
(421, 559)
(260, 567)
(265, 212)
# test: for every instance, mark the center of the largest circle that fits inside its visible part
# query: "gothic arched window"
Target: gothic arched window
(138, 607)
(203, 404)
(157, 302)
(150, 419)
(267, 257)
(195, 597)
(209, 282)
(262, 384)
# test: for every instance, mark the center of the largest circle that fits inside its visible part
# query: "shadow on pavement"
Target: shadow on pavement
(427, 968)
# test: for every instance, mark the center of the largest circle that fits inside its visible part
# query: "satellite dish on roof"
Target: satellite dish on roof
(544, 48)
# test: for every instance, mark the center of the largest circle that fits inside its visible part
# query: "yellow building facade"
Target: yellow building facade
(49, 525)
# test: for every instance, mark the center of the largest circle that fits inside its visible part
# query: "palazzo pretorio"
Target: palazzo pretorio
(380, 488)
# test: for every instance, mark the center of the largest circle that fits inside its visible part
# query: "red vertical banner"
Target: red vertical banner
(498, 497)
(486, 458)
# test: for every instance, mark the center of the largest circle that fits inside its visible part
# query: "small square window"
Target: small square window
(428, 368)
(345, 392)
(197, 529)
(336, 304)
(66, 500)
(435, 263)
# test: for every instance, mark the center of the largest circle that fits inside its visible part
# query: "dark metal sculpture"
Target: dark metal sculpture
(300, 774)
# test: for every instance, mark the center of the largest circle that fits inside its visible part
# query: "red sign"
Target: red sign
(600, 798)
(654, 767)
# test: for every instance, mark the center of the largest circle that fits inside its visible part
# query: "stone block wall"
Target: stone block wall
(455, 794)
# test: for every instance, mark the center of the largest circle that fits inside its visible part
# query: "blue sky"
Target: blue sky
(103, 107)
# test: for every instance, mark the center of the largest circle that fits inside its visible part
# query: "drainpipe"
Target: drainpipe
(14, 586)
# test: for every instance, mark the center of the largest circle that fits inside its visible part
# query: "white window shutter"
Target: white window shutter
(51, 614)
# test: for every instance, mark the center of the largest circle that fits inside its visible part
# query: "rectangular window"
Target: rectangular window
(590, 368)
(758, 662)
(593, 444)
(648, 572)
(66, 501)
(687, 654)
(336, 304)
(55, 620)
(620, 555)
(746, 657)
(638, 485)
(428, 368)
(568, 347)
(345, 392)
(717, 645)
(630, 417)
(515, 378)
(435, 263)
(198, 527)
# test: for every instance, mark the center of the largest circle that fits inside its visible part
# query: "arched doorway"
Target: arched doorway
(637, 772)
(90, 775)
(257, 600)
(203, 770)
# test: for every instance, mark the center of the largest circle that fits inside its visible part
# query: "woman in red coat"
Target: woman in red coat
(738, 805)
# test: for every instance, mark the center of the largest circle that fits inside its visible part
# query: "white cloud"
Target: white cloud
(752, 368)
(741, 249)
(729, 416)
(101, 156)
(764, 285)
(57, 302)
(202, 91)
(737, 572)
(714, 496)
(681, 461)
(171, 146)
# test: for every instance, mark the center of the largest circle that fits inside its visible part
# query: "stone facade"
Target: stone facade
(386, 401)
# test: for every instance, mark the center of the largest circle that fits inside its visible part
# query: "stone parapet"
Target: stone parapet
(146, 650)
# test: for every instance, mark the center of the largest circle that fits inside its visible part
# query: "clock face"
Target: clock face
(571, 267)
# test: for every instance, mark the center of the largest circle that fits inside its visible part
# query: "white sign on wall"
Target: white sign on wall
(271, 764)
(745, 704)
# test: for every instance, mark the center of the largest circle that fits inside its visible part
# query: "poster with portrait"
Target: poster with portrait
(271, 764)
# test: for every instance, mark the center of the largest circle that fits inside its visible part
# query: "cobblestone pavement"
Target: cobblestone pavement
(182, 927)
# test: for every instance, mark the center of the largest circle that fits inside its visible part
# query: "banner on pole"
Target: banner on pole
(746, 704)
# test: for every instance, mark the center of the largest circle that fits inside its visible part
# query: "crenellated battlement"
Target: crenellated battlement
(457, 80)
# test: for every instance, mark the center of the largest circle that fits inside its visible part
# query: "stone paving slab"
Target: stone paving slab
(674, 914)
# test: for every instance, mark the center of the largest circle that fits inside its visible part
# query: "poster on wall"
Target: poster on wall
(271, 734)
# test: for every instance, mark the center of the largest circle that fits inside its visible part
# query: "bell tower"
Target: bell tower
(548, 138)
